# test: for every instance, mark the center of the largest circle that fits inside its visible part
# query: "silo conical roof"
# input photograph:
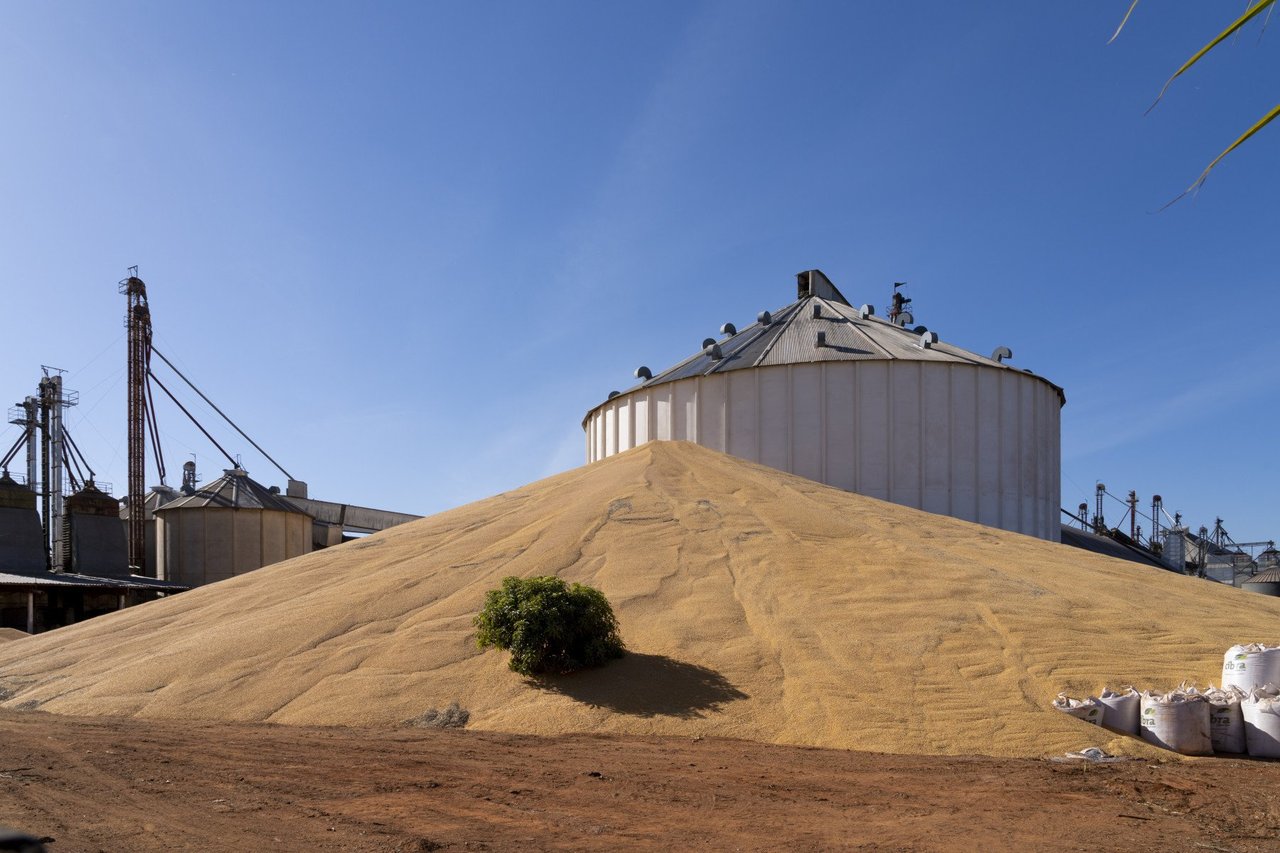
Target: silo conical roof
(849, 334)
(235, 489)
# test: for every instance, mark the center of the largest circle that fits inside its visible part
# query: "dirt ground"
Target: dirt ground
(94, 784)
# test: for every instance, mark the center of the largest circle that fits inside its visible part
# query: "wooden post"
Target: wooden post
(120, 603)
(31, 611)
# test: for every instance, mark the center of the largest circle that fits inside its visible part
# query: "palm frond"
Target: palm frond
(1249, 15)
(1261, 123)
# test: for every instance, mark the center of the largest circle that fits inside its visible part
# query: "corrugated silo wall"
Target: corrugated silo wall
(202, 545)
(978, 443)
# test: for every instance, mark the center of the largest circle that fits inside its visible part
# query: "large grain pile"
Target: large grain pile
(756, 604)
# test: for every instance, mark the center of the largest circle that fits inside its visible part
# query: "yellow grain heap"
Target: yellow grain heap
(755, 605)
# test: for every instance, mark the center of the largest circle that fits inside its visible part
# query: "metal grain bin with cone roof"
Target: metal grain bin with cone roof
(834, 393)
(1266, 583)
(227, 528)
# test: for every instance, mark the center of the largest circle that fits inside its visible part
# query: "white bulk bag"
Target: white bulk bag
(1247, 667)
(1090, 710)
(1177, 721)
(1261, 711)
(1226, 722)
(1121, 710)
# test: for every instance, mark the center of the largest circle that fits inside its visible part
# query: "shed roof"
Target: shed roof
(791, 337)
(65, 579)
(233, 490)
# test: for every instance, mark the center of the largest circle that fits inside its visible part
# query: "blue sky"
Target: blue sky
(408, 245)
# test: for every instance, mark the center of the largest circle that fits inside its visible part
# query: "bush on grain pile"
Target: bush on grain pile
(549, 626)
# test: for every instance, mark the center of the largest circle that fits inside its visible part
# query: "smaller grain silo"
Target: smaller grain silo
(22, 550)
(96, 543)
(1266, 583)
(227, 528)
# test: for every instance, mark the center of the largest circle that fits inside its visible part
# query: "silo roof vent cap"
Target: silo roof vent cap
(713, 350)
(728, 329)
(765, 318)
(1000, 354)
(613, 394)
(867, 311)
(706, 342)
(644, 373)
(928, 339)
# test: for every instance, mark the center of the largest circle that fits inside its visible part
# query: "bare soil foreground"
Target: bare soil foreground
(107, 784)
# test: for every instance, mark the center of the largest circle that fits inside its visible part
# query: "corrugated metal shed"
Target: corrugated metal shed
(1269, 576)
(233, 490)
(792, 338)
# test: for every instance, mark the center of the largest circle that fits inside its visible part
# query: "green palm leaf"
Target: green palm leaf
(1250, 13)
(1261, 123)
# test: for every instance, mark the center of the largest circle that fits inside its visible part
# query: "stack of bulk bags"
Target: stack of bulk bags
(1261, 712)
(1090, 710)
(1121, 710)
(1226, 722)
(1247, 667)
(1178, 721)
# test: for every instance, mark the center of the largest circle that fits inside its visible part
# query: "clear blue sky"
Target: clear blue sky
(408, 245)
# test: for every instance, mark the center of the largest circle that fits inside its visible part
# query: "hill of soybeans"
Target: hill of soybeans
(754, 604)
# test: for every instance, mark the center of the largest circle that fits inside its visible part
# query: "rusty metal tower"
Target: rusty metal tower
(138, 322)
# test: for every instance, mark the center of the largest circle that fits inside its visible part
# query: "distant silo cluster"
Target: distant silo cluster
(836, 394)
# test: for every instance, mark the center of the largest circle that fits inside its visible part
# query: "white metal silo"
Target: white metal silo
(833, 393)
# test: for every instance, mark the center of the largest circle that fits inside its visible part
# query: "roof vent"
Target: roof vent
(1000, 354)
(904, 318)
(867, 311)
(644, 373)
(817, 311)
(814, 283)
(928, 339)
(765, 318)
(920, 330)
(713, 350)
(728, 329)
(706, 342)
(822, 339)
(613, 394)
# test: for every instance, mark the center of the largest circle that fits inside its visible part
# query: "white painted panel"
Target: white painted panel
(989, 447)
(806, 420)
(642, 417)
(872, 425)
(625, 413)
(683, 407)
(935, 443)
(838, 414)
(711, 412)
(906, 432)
(775, 418)
(610, 430)
(744, 414)
(664, 419)
(964, 441)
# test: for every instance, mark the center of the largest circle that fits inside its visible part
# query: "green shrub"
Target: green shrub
(548, 625)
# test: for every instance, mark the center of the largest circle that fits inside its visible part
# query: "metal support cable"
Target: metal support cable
(149, 414)
(66, 434)
(13, 451)
(69, 461)
(192, 418)
(219, 411)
